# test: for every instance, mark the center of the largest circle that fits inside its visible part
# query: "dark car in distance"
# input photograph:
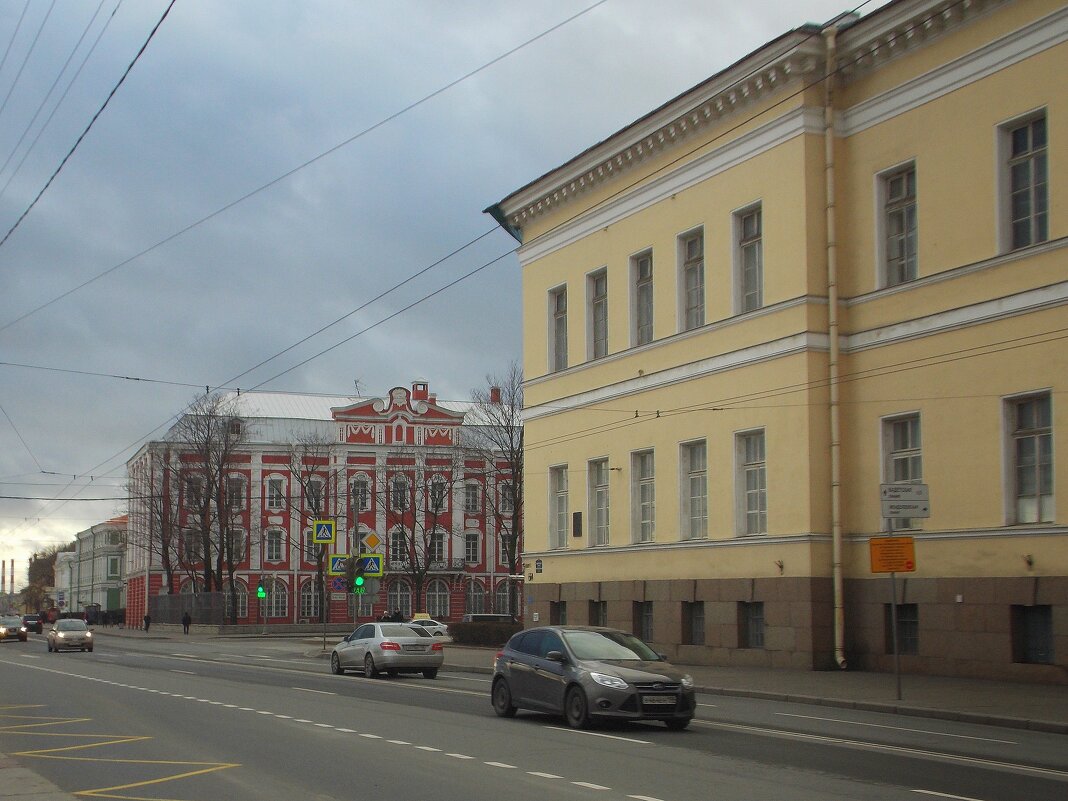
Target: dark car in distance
(33, 623)
(588, 673)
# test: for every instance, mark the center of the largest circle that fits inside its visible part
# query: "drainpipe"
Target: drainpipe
(829, 34)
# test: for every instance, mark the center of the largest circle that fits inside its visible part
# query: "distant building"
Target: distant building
(395, 474)
(89, 579)
(840, 263)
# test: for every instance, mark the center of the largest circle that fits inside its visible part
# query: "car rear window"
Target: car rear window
(401, 630)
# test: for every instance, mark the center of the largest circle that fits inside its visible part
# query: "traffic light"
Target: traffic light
(358, 579)
(260, 592)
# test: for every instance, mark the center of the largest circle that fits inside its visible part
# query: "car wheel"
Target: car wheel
(335, 665)
(90, 649)
(576, 710)
(678, 724)
(49, 647)
(502, 699)
(430, 673)
(369, 669)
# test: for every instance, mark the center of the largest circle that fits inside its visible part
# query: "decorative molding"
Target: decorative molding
(734, 542)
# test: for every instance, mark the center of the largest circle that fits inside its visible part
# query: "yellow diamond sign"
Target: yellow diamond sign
(371, 541)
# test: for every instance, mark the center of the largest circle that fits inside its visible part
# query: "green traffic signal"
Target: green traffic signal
(358, 581)
(260, 592)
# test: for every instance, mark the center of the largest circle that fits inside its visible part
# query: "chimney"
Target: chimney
(433, 398)
(495, 394)
(419, 391)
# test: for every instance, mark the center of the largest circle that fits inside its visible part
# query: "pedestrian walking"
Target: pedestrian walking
(186, 620)
(147, 621)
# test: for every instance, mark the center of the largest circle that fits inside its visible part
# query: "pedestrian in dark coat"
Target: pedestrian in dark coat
(186, 620)
(147, 621)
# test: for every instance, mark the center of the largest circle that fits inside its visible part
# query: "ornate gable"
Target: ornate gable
(406, 417)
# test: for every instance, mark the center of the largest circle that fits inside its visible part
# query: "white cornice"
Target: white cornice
(1013, 48)
(782, 129)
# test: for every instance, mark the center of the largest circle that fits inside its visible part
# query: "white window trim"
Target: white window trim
(238, 477)
(685, 532)
(737, 292)
(680, 276)
(478, 504)
(636, 483)
(550, 338)
(591, 279)
(886, 448)
(1008, 452)
(1003, 185)
(633, 288)
(358, 477)
(553, 532)
(267, 492)
(741, 528)
(882, 272)
(591, 510)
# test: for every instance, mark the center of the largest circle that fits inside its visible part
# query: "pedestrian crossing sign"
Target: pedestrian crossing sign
(372, 564)
(337, 564)
(323, 532)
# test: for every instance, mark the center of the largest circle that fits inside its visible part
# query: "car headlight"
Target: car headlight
(3, 629)
(90, 634)
(687, 681)
(59, 634)
(614, 682)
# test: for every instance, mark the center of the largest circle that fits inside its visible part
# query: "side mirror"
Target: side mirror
(555, 656)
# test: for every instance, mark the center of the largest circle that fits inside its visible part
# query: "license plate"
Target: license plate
(659, 700)
(419, 649)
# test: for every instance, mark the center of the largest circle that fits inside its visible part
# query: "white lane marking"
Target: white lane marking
(325, 725)
(263, 712)
(347, 731)
(898, 728)
(499, 765)
(309, 690)
(644, 798)
(544, 775)
(398, 742)
(459, 756)
(946, 795)
(458, 677)
(301, 720)
(427, 748)
(590, 786)
(599, 734)
(242, 708)
(370, 736)
(284, 717)
(710, 706)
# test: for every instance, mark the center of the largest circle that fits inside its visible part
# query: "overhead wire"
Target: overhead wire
(33, 46)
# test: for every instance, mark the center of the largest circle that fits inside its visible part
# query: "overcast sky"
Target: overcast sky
(231, 96)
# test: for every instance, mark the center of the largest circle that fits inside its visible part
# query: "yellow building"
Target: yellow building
(838, 264)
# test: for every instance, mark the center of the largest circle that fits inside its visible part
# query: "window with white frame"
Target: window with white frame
(399, 597)
(314, 495)
(276, 493)
(235, 492)
(642, 271)
(361, 494)
(597, 288)
(598, 493)
(240, 595)
(398, 547)
(1026, 175)
(1032, 454)
(558, 329)
(502, 600)
(692, 280)
(114, 567)
(398, 495)
(436, 552)
(507, 490)
(113, 537)
(752, 480)
(309, 600)
(238, 545)
(503, 538)
(472, 498)
(474, 598)
(643, 496)
(472, 547)
(191, 546)
(904, 458)
(898, 188)
(360, 605)
(277, 598)
(311, 547)
(694, 469)
(749, 231)
(558, 513)
(194, 492)
(437, 599)
(273, 546)
(437, 494)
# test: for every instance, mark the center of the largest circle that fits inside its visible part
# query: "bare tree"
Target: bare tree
(155, 513)
(493, 435)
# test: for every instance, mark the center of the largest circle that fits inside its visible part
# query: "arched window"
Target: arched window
(475, 598)
(437, 599)
(277, 601)
(359, 606)
(399, 597)
(501, 601)
(241, 593)
(309, 601)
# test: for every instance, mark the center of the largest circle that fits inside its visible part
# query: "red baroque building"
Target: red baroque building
(401, 476)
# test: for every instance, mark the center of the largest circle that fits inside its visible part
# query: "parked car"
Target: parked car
(435, 628)
(390, 647)
(11, 628)
(69, 634)
(487, 618)
(33, 623)
(587, 673)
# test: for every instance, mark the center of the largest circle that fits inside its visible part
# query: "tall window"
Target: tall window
(507, 498)
(472, 550)
(114, 567)
(399, 598)
(900, 225)
(311, 548)
(750, 233)
(309, 600)
(472, 499)
(598, 613)
(558, 503)
(273, 546)
(643, 619)
(398, 547)
(693, 623)
(238, 550)
(314, 495)
(191, 546)
(1032, 443)
(904, 457)
(277, 598)
(398, 496)
(437, 495)
(1032, 633)
(502, 600)
(598, 289)
(643, 495)
(1028, 186)
(361, 494)
(692, 277)
(558, 329)
(642, 268)
(694, 491)
(751, 624)
(474, 598)
(194, 492)
(598, 479)
(240, 594)
(436, 552)
(437, 599)
(276, 497)
(235, 492)
(557, 613)
(753, 481)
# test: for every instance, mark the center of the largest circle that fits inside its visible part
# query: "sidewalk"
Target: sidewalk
(1040, 707)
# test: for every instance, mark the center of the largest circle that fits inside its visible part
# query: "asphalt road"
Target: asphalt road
(264, 720)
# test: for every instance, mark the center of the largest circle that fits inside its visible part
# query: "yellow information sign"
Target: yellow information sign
(892, 555)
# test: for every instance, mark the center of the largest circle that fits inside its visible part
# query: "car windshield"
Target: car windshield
(71, 625)
(10, 621)
(602, 645)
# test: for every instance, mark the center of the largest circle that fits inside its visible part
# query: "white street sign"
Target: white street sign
(898, 510)
(903, 492)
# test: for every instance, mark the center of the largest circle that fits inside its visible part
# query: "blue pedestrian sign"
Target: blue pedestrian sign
(323, 532)
(337, 564)
(372, 564)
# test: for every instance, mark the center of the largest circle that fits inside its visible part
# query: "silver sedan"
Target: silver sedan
(388, 647)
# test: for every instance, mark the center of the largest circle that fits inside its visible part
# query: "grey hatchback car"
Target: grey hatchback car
(587, 673)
